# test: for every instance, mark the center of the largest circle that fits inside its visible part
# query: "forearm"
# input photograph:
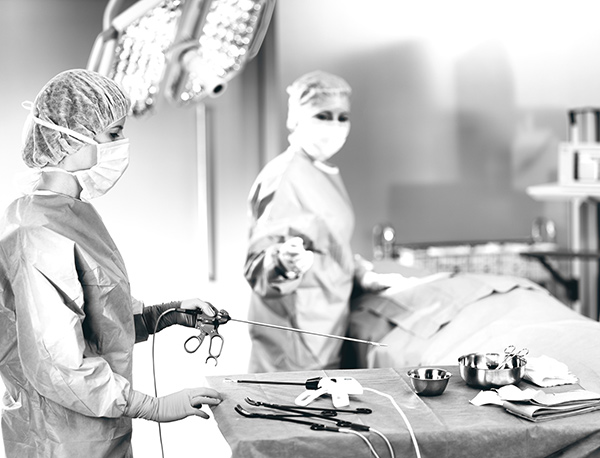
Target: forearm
(155, 318)
(267, 276)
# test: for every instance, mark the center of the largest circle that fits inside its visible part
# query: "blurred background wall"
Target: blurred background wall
(457, 108)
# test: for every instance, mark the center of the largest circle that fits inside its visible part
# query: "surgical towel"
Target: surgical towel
(545, 371)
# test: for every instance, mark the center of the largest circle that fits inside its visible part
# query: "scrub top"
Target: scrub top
(292, 197)
(66, 331)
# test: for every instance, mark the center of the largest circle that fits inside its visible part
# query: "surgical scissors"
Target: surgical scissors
(510, 352)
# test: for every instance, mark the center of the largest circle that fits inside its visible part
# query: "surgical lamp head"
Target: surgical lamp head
(80, 100)
(310, 93)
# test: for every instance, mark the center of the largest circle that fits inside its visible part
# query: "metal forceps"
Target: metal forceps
(208, 326)
(510, 352)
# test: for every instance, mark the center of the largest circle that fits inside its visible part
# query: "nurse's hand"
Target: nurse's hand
(158, 317)
(198, 304)
(294, 257)
(172, 407)
(185, 403)
(189, 321)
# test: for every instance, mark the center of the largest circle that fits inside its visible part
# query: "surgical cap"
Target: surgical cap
(310, 92)
(80, 100)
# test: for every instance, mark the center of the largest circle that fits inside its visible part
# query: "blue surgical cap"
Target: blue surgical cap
(311, 91)
(80, 100)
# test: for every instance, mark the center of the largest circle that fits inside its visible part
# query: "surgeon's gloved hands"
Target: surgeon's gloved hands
(294, 258)
(374, 283)
(172, 407)
(152, 314)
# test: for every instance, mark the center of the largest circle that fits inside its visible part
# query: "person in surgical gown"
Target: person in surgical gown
(67, 321)
(300, 264)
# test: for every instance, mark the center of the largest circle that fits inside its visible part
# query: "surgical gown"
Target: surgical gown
(66, 331)
(292, 197)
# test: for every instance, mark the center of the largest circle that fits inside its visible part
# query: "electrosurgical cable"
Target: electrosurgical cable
(362, 436)
(386, 440)
(408, 425)
(162, 449)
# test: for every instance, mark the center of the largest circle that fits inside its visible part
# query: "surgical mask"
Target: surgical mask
(320, 139)
(112, 159)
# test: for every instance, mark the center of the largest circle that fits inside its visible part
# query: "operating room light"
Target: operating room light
(186, 49)
(141, 54)
(231, 35)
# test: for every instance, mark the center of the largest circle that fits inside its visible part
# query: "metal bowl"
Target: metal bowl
(429, 381)
(479, 370)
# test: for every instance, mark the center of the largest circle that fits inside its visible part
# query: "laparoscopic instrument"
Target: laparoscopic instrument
(316, 421)
(338, 387)
(209, 326)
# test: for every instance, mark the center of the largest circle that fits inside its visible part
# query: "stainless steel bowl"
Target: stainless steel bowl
(429, 381)
(479, 370)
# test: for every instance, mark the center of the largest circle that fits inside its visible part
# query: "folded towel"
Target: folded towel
(545, 371)
(537, 405)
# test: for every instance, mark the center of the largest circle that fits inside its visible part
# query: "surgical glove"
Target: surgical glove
(373, 282)
(294, 258)
(172, 407)
(152, 314)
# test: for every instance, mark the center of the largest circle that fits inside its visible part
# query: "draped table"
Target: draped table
(444, 426)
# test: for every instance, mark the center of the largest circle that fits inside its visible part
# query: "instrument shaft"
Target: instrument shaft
(331, 336)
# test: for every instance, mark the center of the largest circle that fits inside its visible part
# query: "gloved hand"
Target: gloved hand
(294, 258)
(172, 407)
(374, 283)
(153, 313)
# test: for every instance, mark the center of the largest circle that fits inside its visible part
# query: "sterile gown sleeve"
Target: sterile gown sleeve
(50, 306)
(293, 198)
(264, 272)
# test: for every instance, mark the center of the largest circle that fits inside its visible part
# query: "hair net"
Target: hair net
(80, 100)
(310, 91)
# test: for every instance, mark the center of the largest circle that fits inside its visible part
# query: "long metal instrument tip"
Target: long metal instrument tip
(262, 382)
(329, 336)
